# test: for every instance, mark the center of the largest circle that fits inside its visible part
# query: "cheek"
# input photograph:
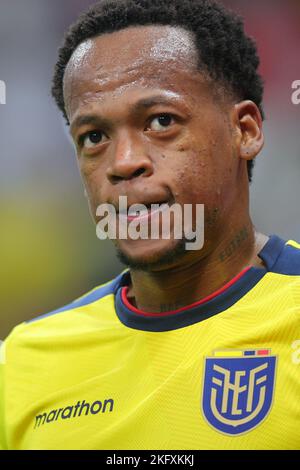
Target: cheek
(93, 176)
(202, 172)
(193, 172)
(88, 173)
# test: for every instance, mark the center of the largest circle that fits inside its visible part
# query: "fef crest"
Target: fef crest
(238, 389)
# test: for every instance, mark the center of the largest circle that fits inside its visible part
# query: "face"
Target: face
(148, 125)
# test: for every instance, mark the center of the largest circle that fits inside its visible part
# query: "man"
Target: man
(186, 349)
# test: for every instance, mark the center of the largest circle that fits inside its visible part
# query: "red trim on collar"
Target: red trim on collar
(187, 307)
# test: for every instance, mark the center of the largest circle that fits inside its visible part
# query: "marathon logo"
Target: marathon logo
(75, 411)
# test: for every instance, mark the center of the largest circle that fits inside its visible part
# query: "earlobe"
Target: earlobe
(250, 150)
(249, 121)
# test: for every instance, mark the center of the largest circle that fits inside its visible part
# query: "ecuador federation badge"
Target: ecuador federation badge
(238, 389)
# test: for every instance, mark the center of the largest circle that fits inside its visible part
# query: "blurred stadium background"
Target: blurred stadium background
(49, 250)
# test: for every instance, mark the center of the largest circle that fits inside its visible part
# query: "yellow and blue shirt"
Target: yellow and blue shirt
(221, 373)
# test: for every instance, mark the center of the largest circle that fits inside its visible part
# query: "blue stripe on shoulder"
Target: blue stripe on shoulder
(288, 262)
(89, 298)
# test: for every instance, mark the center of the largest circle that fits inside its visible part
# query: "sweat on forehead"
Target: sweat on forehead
(131, 51)
(162, 43)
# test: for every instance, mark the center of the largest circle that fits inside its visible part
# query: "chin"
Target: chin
(146, 255)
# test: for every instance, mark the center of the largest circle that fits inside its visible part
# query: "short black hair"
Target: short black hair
(225, 52)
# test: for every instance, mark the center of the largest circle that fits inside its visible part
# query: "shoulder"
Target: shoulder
(288, 261)
(69, 318)
(282, 259)
(97, 293)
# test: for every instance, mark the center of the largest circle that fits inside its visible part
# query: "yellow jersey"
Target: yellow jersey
(221, 373)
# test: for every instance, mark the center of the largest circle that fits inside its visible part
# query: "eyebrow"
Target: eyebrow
(93, 119)
(136, 108)
(145, 103)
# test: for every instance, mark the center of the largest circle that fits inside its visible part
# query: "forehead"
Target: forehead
(144, 56)
(131, 47)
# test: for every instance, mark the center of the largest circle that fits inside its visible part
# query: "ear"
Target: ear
(248, 126)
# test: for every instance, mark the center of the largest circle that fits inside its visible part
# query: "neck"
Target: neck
(195, 278)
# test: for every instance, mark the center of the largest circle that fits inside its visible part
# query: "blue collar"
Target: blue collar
(197, 313)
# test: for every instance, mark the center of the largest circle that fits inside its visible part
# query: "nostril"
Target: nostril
(117, 178)
(139, 172)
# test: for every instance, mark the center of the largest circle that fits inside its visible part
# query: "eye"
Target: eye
(91, 139)
(161, 122)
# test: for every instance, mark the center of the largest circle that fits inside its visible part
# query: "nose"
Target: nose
(130, 158)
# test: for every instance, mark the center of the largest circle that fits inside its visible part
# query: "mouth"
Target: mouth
(143, 211)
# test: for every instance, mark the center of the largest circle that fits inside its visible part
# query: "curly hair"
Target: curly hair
(225, 52)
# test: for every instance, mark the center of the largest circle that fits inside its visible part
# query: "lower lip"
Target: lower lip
(144, 216)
